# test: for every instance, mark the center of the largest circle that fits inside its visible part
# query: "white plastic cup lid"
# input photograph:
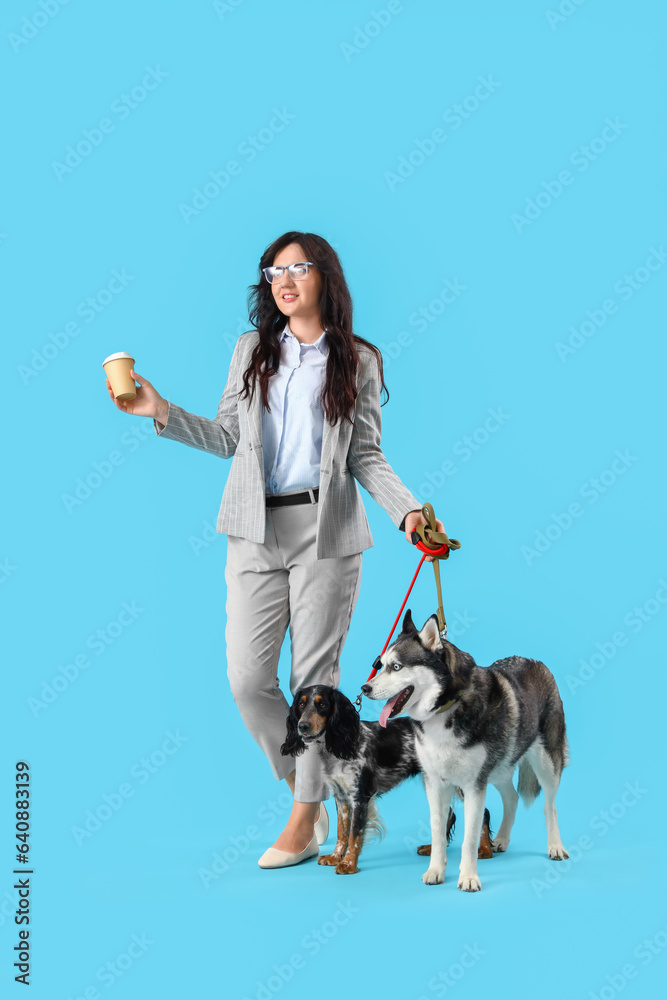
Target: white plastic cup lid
(119, 354)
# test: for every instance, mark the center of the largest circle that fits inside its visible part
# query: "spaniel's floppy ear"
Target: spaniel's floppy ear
(430, 635)
(342, 731)
(293, 745)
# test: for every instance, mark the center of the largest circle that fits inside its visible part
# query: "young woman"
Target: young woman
(300, 418)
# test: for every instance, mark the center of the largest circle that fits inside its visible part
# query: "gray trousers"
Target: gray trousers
(272, 585)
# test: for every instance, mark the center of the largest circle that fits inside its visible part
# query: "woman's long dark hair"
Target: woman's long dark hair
(339, 393)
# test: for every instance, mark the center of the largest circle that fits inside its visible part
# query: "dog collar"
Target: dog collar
(448, 704)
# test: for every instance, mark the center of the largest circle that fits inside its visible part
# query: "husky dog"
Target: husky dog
(476, 725)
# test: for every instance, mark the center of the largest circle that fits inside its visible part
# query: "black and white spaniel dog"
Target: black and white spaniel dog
(361, 760)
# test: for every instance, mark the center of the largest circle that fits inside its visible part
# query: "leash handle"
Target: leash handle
(429, 539)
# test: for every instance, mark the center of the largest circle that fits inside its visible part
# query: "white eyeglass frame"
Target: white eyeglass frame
(288, 268)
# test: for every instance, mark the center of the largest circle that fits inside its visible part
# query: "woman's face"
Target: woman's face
(297, 298)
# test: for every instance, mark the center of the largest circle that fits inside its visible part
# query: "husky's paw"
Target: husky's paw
(346, 868)
(329, 859)
(469, 883)
(500, 844)
(557, 852)
(433, 876)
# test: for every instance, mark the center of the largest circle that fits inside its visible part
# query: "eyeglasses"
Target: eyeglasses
(296, 271)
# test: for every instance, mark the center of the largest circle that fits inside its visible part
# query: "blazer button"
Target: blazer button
(249, 447)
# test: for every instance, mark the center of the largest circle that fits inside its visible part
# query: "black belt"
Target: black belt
(286, 500)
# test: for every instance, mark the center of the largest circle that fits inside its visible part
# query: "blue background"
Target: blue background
(362, 95)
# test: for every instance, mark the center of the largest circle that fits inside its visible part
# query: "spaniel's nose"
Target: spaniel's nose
(303, 727)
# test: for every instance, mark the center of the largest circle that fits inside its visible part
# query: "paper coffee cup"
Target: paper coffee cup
(117, 366)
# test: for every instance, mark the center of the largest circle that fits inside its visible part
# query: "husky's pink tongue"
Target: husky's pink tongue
(384, 714)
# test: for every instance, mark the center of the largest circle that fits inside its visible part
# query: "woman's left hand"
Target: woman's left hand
(416, 517)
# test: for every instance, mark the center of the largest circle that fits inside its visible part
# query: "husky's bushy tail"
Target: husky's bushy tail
(550, 751)
(528, 786)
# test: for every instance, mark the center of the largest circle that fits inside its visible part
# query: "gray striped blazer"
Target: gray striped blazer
(349, 454)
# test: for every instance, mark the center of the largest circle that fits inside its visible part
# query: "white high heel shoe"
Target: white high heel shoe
(274, 858)
(322, 825)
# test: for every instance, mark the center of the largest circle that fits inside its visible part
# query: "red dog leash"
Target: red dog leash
(436, 544)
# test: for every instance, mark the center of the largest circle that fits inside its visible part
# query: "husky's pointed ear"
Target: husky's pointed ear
(408, 624)
(430, 635)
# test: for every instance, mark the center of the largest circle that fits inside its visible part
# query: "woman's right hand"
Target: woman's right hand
(147, 403)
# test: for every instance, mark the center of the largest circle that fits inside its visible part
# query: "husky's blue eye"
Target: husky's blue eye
(396, 666)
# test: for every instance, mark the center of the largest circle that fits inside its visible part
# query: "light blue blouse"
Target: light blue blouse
(292, 431)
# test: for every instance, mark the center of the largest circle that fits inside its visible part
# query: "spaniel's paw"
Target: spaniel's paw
(329, 859)
(346, 868)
